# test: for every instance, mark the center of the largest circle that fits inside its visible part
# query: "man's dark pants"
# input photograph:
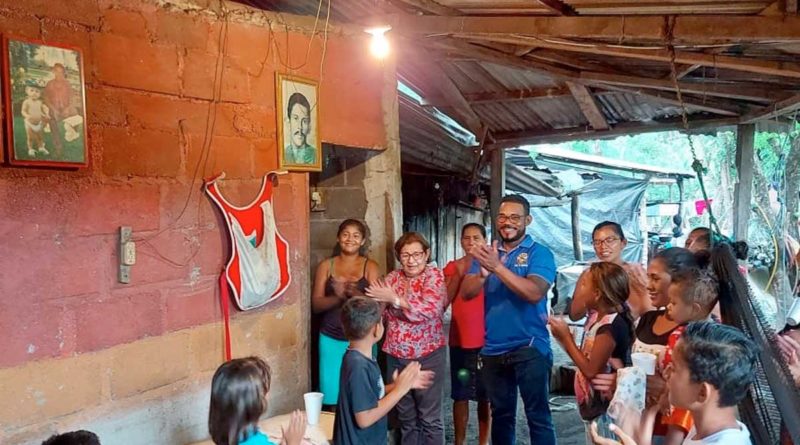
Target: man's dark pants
(528, 370)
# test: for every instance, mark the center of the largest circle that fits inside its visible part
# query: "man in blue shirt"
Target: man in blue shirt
(515, 275)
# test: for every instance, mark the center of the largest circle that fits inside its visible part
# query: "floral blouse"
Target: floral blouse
(416, 332)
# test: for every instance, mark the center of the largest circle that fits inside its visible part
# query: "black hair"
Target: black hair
(614, 226)
(297, 99)
(81, 437)
(740, 249)
(676, 259)
(351, 222)
(474, 226)
(731, 281)
(518, 199)
(238, 399)
(704, 237)
(359, 316)
(698, 286)
(720, 355)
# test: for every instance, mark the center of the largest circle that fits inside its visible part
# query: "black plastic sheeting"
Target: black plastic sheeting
(613, 198)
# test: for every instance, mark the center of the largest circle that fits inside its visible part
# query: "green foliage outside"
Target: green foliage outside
(717, 152)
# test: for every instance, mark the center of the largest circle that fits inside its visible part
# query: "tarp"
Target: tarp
(613, 198)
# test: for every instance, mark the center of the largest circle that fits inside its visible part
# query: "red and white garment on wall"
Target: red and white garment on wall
(258, 269)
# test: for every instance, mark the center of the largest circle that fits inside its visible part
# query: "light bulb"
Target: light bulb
(379, 45)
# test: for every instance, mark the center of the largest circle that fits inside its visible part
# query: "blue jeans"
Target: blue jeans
(529, 370)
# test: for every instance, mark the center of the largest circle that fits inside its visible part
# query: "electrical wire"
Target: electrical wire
(774, 245)
(211, 118)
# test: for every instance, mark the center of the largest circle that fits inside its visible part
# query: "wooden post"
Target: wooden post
(497, 185)
(743, 191)
(577, 247)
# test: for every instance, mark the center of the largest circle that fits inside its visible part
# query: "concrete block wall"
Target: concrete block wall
(134, 361)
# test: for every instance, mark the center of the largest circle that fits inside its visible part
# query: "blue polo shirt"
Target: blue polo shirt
(512, 322)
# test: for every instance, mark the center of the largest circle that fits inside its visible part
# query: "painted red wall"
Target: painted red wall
(149, 76)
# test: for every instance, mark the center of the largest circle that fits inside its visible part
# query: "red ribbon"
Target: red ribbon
(225, 298)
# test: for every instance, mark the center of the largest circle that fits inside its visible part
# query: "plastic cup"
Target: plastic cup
(644, 361)
(313, 401)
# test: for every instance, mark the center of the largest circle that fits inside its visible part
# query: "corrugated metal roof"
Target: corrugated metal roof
(624, 107)
(494, 88)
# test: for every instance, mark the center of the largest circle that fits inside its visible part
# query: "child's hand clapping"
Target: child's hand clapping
(559, 329)
(296, 430)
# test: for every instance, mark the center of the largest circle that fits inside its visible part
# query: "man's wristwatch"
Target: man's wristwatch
(396, 303)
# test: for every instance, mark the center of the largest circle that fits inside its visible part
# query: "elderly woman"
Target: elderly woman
(416, 298)
(337, 279)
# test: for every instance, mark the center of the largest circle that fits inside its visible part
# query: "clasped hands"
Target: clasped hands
(488, 256)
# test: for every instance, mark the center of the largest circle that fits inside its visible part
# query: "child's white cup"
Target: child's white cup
(313, 401)
(644, 361)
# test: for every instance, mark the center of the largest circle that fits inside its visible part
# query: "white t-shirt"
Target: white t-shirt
(731, 436)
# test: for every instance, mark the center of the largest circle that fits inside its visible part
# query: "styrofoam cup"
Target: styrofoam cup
(644, 361)
(313, 401)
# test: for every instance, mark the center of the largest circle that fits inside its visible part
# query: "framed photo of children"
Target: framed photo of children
(45, 104)
(299, 146)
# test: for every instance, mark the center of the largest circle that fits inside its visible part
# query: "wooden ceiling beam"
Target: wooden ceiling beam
(485, 54)
(769, 67)
(431, 7)
(741, 92)
(516, 139)
(684, 70)
(455, 99)
(501, 96)
(588, 105)
(710, 105)
(558, 7)
(786, 106)
(704, 29)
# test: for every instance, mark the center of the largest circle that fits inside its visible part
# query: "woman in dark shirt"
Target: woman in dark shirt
(338, 278)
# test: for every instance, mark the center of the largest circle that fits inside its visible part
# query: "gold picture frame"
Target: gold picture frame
(297, 110)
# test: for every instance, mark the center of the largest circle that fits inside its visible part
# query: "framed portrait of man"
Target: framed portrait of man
(43, 85)
(299, 145)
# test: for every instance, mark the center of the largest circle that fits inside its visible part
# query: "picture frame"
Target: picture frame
(297, 110)
(45, 99)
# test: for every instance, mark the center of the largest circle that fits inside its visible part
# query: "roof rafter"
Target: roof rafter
(778, 109)
(431, 7)
(708, 104)
(773, 68)
(588, 105)
(502, 96)
(500, 58)
(516, 139)
(456, 100)
(558, 6)
(704, 29)
(755, 94)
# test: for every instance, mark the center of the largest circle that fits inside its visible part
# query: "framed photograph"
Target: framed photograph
(45, 104)
(299, 147)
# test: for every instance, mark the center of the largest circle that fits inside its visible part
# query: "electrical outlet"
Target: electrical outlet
(127, 254)
(316, 202)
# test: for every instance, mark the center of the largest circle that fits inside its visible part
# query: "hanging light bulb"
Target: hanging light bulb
(379, 45)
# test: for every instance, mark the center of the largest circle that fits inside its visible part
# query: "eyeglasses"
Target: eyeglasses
(605, 242)
(501, 218)
(416, 256)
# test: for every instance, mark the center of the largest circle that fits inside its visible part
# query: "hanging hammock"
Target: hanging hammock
(773, 401)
